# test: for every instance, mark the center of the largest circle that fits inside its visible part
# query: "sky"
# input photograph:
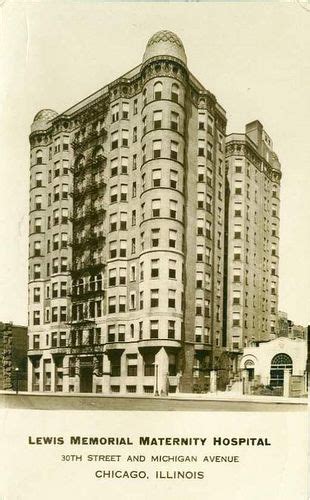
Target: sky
(253, 56)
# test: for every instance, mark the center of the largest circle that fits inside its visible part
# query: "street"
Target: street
(124, 403)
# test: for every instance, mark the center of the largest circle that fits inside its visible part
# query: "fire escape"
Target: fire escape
(88, 242)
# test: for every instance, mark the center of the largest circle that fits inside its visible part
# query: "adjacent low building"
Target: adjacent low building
(13, 356)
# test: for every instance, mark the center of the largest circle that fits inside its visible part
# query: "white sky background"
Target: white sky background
(254, 57)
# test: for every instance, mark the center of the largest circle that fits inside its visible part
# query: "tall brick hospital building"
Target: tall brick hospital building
(153, 239)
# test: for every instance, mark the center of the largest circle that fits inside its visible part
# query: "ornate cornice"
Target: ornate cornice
(239, 147)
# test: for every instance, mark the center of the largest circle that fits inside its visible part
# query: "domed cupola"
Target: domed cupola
(165, 43)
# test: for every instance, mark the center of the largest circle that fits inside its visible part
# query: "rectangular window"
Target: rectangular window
(125, 107)
(112, 249)
(174, 147)
(174, 121)
(115, 113)
(123, 248)
(154, 268)
(123, 221)
(122, 275)
(155, 234)
(114, 167)
(133, 218)
(173, 179)
(122, 303)
(157, 149)
(155, 208)
(173, 205)
(113, 194)
(154, 330)
(201, 147)
(171, 329)
(171, 298)
(114, 140)
(154, 297)
(157, 119)
(65, 191)
(112, 305)
(124, 192)
(112, 277)
(156, 177)
(134, 135)
(113, 222)
(172, 238)
(172, 269)
(125, 137)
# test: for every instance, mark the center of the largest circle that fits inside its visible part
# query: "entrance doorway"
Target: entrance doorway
(86, 375)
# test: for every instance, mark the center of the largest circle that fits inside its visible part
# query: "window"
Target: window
(38, 179)
(155, 208)
(37, 248)
(173, 205)
(135, 106)
(63, 313)
(39, 157)
(199, 279)
(36, 317)
(175, 92)
(236, 297)
(208, 229)
(157, 149)
(209, 151)
(143, 154)
(115, 113)
(200, 199)
(63, 289)
(157, 119)
(173, 179)
(156, 177)
(112, 305)
(201, 120)
(237, 231)
(171, 298)
(54, 290)
(122, 275)
(114, 167)
(65, 191)
(113, 194)
(133, 273)
(122, 303)
(56, 169)
(64, 240)
(154, 297)
(124, 192)
(236, 275)
(174, 121)
(210, 125)
(144, 125)
(112, 277)
(158, 90)
(113, 222)
(123, 248)
(154, 330)
(37, 225)
(236, 318)
(54, 314)
(133, 218)
(115, 364)
(140, 330)
(154, 268)
(238, 187)
(141, 300)
(123, 221)
(209, 203)
(172, 238)
(114, 140)
(172, 269)
(237, 253)
(38, 202)
(64, 215)
(134, 162)
(134, 136)
(201, 147)
(141, 271)
(144, 97)
(237, 209)
(133, 300)
(64, 264)
(201, 173)
(125, 137)
(124, 165)
(171, 329)
(125, 110)
(174, 146)
(112, 249)
(65, 168)
(155, 233)
(121, 333)
(133, 246)
(200, 253)
(134, 190)
(36, 295)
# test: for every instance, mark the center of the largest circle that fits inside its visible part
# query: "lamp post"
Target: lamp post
(156, 380)
(16, 379)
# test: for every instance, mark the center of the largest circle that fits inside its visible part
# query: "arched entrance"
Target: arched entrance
(249, 366)
(278, 363)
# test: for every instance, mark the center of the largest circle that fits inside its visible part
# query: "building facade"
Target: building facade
(126, 238)
(13, 357)
(251, 238)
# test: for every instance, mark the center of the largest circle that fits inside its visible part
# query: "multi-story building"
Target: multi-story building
(127, 203)
(252, 238)
(13, 357)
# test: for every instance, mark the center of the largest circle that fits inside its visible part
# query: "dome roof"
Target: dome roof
(45, 114)
(165, 43)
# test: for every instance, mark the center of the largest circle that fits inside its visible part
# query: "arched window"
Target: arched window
(158, 87)
(144, 97)
(39, 157)
(278, 363)
(175, 92)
